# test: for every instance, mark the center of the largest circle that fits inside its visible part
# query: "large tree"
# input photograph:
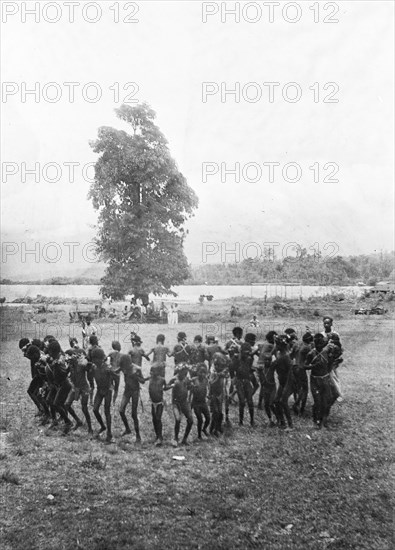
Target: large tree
(143, 202)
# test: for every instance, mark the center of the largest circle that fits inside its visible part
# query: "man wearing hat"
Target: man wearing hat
(88, 330)
(181, 352)
(137, 353)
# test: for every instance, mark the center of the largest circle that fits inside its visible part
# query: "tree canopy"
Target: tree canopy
(143, 202)
(307, 269)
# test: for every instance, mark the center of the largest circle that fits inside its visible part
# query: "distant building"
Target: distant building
(383, 286)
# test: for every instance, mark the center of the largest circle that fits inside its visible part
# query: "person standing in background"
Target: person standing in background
(88, 330)
(170, 315)
(175, 314)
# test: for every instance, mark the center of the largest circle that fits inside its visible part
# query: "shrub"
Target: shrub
(9, 477)
(96, 463)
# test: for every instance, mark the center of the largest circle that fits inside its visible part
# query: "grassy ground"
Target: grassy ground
(253, 488)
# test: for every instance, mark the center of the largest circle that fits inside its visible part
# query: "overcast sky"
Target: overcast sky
(169, 53)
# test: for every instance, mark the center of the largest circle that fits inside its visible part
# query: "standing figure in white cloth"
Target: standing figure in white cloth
(88, 330)
(170, 315)
(175, 314)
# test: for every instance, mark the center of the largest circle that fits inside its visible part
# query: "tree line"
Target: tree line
(307, 269)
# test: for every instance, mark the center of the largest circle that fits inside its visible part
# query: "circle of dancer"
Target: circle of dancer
(208, 378)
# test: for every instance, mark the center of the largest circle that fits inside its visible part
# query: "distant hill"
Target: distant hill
(95, 271)
(53, 281)
(85, 276)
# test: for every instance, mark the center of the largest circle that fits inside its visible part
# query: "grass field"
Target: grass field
(253, 488)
